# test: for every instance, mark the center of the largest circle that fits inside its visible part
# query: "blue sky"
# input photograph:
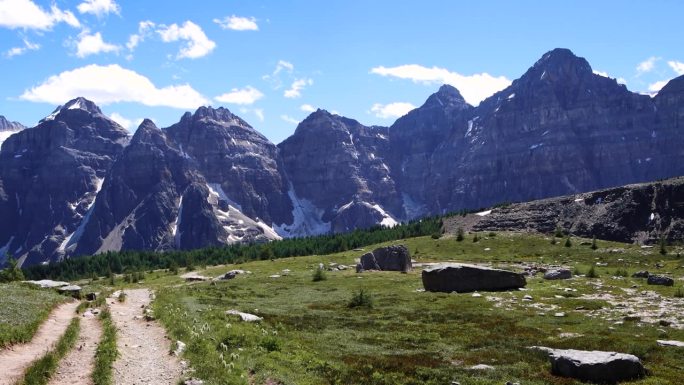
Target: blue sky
(271, 62)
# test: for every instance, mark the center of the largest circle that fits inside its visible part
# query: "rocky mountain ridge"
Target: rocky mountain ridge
(212, 179)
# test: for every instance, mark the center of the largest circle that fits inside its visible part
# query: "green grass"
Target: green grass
(106, 351)
(39, 372)
(22, 309)
(309, 335)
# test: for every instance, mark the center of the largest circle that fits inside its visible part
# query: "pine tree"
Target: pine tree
(459, 234)
(12, 272)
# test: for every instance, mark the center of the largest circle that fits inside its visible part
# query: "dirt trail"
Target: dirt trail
(76, 368)
(16, 359)
(143, 347)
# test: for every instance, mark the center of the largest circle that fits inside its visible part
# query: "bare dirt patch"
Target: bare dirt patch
(76, 368)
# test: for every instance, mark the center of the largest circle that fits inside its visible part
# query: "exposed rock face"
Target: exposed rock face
(558, 274)
(414, 139)
(230, 154)
(594, 366)
(8, 128)
(641, 212)
(49, 176)
(338, 165)
(390, 258)
(464, 278)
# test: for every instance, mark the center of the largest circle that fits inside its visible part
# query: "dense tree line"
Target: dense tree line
(109, 263)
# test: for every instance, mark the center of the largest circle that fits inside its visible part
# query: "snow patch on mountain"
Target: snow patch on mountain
(307, 219)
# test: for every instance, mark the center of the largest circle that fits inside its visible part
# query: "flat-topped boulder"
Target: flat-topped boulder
(48, 283)
(465, 278)
(246, 317)
(594, 366)
(389, 258)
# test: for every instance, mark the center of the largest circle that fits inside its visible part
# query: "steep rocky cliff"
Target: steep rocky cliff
(8, 128)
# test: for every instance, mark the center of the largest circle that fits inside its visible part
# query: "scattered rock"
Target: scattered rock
(482, 367)
(246, 317)
(73, 290)
(193, 381)
(559, 315)
(48, 284)
(463, 278)
(180, 348)
(527, 297)
(390, 258)
(230, 275)
(594, 366)
(274, 276)
(678, 344)
(91, 296)
(641, 274)
(359, 268)
(558, 274)
(660, 280)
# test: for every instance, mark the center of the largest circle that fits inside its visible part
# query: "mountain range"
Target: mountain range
(78, 183)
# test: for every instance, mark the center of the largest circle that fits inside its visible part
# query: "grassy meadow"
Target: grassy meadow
(310, 334)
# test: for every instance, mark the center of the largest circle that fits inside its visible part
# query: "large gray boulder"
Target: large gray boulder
(464, 278)
(390, 258)
(558, 274)
(594, 366)
(660, 280)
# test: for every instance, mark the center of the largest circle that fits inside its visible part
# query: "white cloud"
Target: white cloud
(391, 110)
(307, 108)
(197, 43)
(274, 78)
(244, 96)
(112, 84)
(26, 14)
(259, 114)
(237, 23)
(474, 88)
(289, 119)
(677, 67)
(296, 88)
(144, 29)
(647, 65)
(657, 86)
(93, 44)
(99, 8)
(125, 123)
(28, 46)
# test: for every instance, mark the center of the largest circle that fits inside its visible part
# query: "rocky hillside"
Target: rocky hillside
(74, 185)
(634, 213)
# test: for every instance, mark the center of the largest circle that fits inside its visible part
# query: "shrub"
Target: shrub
(567, 242)
(12, 272)
(122, 296)
(592, 272)
(319, 275)
(679, 293)
(593, 243)
(435, 235)
(553, 240)
(361, 299)
(491, 234)
(621, 273)
(558, 233)
(476, 238)
(663, 244)
(459, 234)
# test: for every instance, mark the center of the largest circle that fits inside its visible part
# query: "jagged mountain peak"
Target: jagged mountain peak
(79, 103)
(558, 66)
(220, 114)
(6, 125)
(675, 85)
(446, 96)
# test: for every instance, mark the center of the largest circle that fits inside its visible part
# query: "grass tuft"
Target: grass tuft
(361, 299)
(319, 275)
(106, 351)
(40, 372)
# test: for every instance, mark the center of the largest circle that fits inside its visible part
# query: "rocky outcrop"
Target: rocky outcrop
(594, 366)
(340, 166)
(634, 213)
(49, 176)
(389, 258)
(464, 278)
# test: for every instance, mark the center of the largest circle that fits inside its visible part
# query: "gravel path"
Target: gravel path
(15, 360)
(143, 346)
(76, 368)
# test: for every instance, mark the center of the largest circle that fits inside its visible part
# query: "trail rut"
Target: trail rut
(77, 367)
(16, 359)
(143, 346)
